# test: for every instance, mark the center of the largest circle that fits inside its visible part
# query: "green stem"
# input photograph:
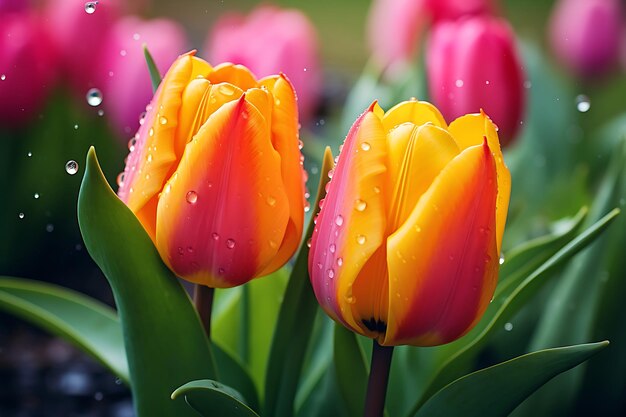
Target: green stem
(203, 300)
(379, 377)
(244, 328)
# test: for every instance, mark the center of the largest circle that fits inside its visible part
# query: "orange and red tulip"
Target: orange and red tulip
(406, 245)
(215, 173)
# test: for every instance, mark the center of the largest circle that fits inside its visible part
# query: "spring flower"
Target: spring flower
(455, 9)
(586, 34)
(268, 41)
(406, 245)
(123, 66)
(214, 174)
(473, 64)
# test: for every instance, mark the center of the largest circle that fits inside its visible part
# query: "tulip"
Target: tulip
(394, 48)
(473, 64)
(406, 245)
(585, 34)
(268, 41)
(123, 66)
(13, 5)
(27, 66)
(215, 175)
(455, 9)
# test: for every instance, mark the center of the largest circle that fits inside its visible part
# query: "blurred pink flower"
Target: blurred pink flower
(473, 64)
(586, 34)
(123, 75)
(394, 28)
(27, 66)
(454, 9)
(268, 41)
(79, 36)
(13, 5)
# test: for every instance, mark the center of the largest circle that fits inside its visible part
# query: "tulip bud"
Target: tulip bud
(455, 9)
(394, 48)
(214, 174)
(473, 64)
(27, 66)
(268, 41)
(406, 246)
(123, 66)
(585, 34)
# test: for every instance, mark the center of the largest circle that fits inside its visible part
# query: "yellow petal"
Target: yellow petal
(416, 112)
(233, 74)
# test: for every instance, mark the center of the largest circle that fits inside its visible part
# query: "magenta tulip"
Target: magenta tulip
(268, 41)
(123, 67)
(586, 34)
(27, 66)
(13, 5)
(454, 9)
(473, 64)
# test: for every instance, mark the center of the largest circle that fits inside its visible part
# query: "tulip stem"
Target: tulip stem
(203, 300)
(379, 377)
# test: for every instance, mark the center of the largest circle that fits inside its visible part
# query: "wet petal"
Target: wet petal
(224, 212)
(416, 112)
(443, 261)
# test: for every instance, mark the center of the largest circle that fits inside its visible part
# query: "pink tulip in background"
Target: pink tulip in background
(394, 28)
(586, 34)
(123, 75)
(13, 5)
(472, 64)
(454, 9)
(268, 41)
(27, 65)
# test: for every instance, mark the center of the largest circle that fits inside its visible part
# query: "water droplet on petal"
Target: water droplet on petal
(361, 239)
(226, 89)
(271, 201)
(459, 83)
(191, 197)
(94, 97)
(90, 7)
(501, 260)
(230, 243)
(339, 261)
(3, 77)
(583, 104)
(163, 120)
(120, 180)
(332, 248)
(366, 146)
(339, 220)
(331, 273)
(308, 243)
(360, 205)
(71, 167)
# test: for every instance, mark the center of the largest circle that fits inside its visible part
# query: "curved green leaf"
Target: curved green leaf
(210, 398)
(85, 322)
(155, 76)
(165, 342)
(501, 310)
(351, 370)
(497, 390)
(294, 326)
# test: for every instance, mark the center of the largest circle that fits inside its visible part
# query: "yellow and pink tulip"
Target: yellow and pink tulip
(215, 173)
(406, 245)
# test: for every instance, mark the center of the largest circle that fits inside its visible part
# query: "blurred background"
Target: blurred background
(73, 75)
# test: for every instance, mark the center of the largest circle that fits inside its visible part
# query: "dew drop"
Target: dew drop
(94, 97)
(377, 190)
(3, 77)
(215, 236)
(191, 197)
(360, 205)
(36, 196)
(501, 260)
(360, 239)
(120, 179)
(366, 146)
(226, 89)
(21, 215)
(90, 7)
(163, 120)
(71, 167)
(331, 273)
(29, 154)
(272, 244)
(339, 220)
(308, 243)
(583, 104)
(307, 207)
(100, 112)
(508, 326)
(271, 201)
(76, 126)
(230, 243)
(339, 261)
(332, 248)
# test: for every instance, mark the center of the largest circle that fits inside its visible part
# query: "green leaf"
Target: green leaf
(155, 76)
(210, 398)
(165, 342)
(234, 374)
(294, 326)
(497, 390)
(85, 322)
(351, 370)
(464, 350)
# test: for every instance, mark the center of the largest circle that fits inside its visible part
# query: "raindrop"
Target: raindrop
(215, 236)
(366, 146)
(36, 196)
(230, 243)
(339, 261)
(307, 207)
(142, 118)
(583, 104)
(94, 97)
(90, 7)
(76, 126)
(339, 220)
(501, 260)
(271, 201)
(49, 228)
(331, 273)
(360, 205)
(163, 120)
(308, 243)
(29, 154)
(508, 326)
(226, 89)
(71, 167)
(21, 215)
(487, 82)
(331, 173)
(360, 239)
(191, 197)
(459, 83)
(332, 248)
(3, 77)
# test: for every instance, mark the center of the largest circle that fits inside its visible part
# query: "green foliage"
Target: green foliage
(210, 398)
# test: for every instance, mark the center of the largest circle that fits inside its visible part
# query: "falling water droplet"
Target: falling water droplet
(583, 104)
(508, 326)
(71, 167)
(94, 97)
(36, 196)
(21, 215)
(230, 243)
(90, 7)
(191, 197)
(29, 154)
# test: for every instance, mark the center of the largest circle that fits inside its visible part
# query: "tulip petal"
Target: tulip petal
(443, 262)
(417, 154)
(207, 231)
(470, 130)
(153, 155)
(416, 112)
(233, 74)
(284, 126)
(351, 223)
